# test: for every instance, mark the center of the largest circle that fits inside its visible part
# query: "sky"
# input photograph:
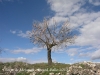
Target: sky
(16, 20)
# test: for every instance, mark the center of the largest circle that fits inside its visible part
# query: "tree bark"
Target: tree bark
(49, 56)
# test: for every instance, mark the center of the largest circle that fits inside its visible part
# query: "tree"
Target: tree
(48, 35)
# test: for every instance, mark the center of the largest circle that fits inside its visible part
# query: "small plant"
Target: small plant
(22, 73)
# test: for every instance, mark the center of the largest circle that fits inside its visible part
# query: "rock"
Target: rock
(33, 73)
(51, 73)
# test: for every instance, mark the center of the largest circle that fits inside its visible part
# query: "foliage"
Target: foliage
(1, 66)
(22, 73)
(35, 66)
(54, 65)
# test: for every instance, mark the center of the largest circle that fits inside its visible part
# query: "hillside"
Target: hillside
(22, 68)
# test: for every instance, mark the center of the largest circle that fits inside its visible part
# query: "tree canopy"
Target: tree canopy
(50, 35)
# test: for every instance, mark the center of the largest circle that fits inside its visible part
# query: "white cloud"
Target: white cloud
(13, 59)
(23, 59)
(21, 34)
(37, 61)
(92, 55)
(42, 60)
(72, 51)
(82, 19)
(65, 7)
(24, 35)
(71, 59)
(27, 51)
(89, 34)
(13, 31)
(86, 54)
(95, 2)
(73, 11)
(95, 55)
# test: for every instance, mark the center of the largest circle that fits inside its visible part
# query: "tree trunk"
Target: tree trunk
(49, 56)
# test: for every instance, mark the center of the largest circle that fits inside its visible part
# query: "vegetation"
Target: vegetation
(22, 73)
(1, 66)
(55, 68)
(35, 66)
(54, 65)
(44, 34)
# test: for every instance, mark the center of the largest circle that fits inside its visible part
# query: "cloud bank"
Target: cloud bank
(21, 33)
(95, 2)
(83, 18)
(22, 59)
(27, 51)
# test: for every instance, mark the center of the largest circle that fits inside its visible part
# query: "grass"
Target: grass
(54, 65)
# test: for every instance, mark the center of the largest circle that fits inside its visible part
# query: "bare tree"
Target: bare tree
(49, 36)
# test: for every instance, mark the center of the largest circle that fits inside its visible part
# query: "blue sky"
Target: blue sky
(16, 19)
